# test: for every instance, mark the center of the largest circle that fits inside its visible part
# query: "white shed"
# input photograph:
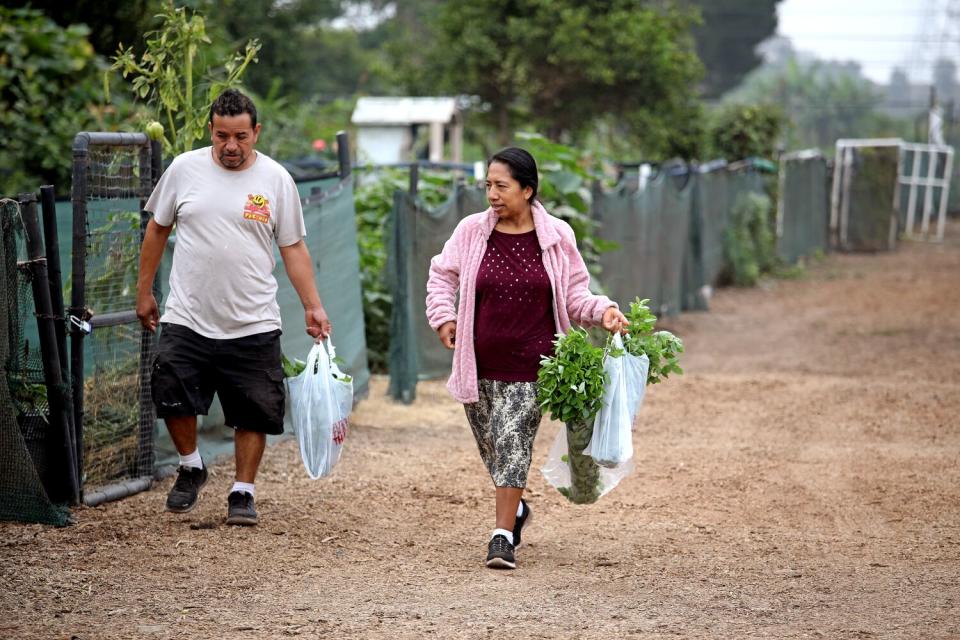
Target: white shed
(385, 128)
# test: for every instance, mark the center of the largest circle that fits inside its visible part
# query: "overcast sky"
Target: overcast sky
(879, 34)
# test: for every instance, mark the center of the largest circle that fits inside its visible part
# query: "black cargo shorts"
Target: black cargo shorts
(244, 372)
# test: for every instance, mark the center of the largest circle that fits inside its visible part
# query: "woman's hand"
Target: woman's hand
(448, 334)
(614, 321)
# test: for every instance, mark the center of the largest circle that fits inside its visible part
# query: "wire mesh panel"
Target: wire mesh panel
(27, 470)
(113, 174)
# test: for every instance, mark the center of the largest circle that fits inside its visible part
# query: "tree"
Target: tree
(746, 131)
(562, 64)
(47, 81)
(822, 101)
(176, 79)
(109, 22)
(727, 39)
(301, 50)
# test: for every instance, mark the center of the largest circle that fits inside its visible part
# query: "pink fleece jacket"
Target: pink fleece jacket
(456, 268)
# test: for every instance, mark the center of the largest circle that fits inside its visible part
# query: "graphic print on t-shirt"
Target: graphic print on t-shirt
(257, 208)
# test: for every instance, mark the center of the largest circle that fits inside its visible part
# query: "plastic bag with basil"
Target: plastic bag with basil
(570, 387)
(625, 385)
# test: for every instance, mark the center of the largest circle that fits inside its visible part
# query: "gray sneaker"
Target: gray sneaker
(240, 509)
(186, 490)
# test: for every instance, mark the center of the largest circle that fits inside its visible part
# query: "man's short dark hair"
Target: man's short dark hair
(233, 103)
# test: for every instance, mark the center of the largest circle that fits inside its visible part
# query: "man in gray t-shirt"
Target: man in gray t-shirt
(220, 330)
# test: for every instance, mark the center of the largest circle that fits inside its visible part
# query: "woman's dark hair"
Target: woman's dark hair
(522, 166)
(233, 103)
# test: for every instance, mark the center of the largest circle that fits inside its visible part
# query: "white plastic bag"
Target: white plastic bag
(612, 441)
(321, 398)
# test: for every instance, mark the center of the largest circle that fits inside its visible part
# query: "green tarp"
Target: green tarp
(417, 233)
(651, 227)
(803, 211)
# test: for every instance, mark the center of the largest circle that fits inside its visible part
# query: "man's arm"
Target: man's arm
(151, 252)
(299, 267)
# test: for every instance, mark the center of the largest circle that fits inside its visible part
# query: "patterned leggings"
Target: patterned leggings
(504, 423)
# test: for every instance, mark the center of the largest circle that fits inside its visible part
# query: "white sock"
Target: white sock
(520, 509)
(243, 487)
(192, 460)
(503, 532)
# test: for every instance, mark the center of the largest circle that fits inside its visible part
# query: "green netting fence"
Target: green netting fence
(670, 231)
(32, 487)
(110, 354)
(416, 234)
(803, 208)
(651, 227)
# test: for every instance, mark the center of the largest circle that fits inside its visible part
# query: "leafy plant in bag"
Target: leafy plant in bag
(292, 368)
(570, 387)
(570, 382)
(661, 347)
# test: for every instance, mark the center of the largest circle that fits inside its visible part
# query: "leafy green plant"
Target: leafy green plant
(570, 386)
(570, 382)
(29, 398)
(47, 84)
(745, 131)
(175, 78)
(291, 126)
(292, 368)
(748, 243)
(662, 348)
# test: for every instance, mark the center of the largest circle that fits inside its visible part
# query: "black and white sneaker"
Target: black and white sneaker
(186, 490)
(500, 553)
(240, 509)
(522, 521)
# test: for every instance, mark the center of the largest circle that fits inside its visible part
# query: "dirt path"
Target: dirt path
(801, 480)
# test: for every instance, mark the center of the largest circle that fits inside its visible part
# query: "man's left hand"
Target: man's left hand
(318, 324)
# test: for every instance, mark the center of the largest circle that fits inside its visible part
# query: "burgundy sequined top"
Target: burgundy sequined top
(514, 322)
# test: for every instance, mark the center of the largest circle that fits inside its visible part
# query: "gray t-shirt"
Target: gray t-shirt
(221, 283)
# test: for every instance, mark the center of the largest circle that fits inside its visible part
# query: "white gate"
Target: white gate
(926, 174)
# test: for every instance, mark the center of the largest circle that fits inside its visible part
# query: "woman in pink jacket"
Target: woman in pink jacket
(521, 281)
